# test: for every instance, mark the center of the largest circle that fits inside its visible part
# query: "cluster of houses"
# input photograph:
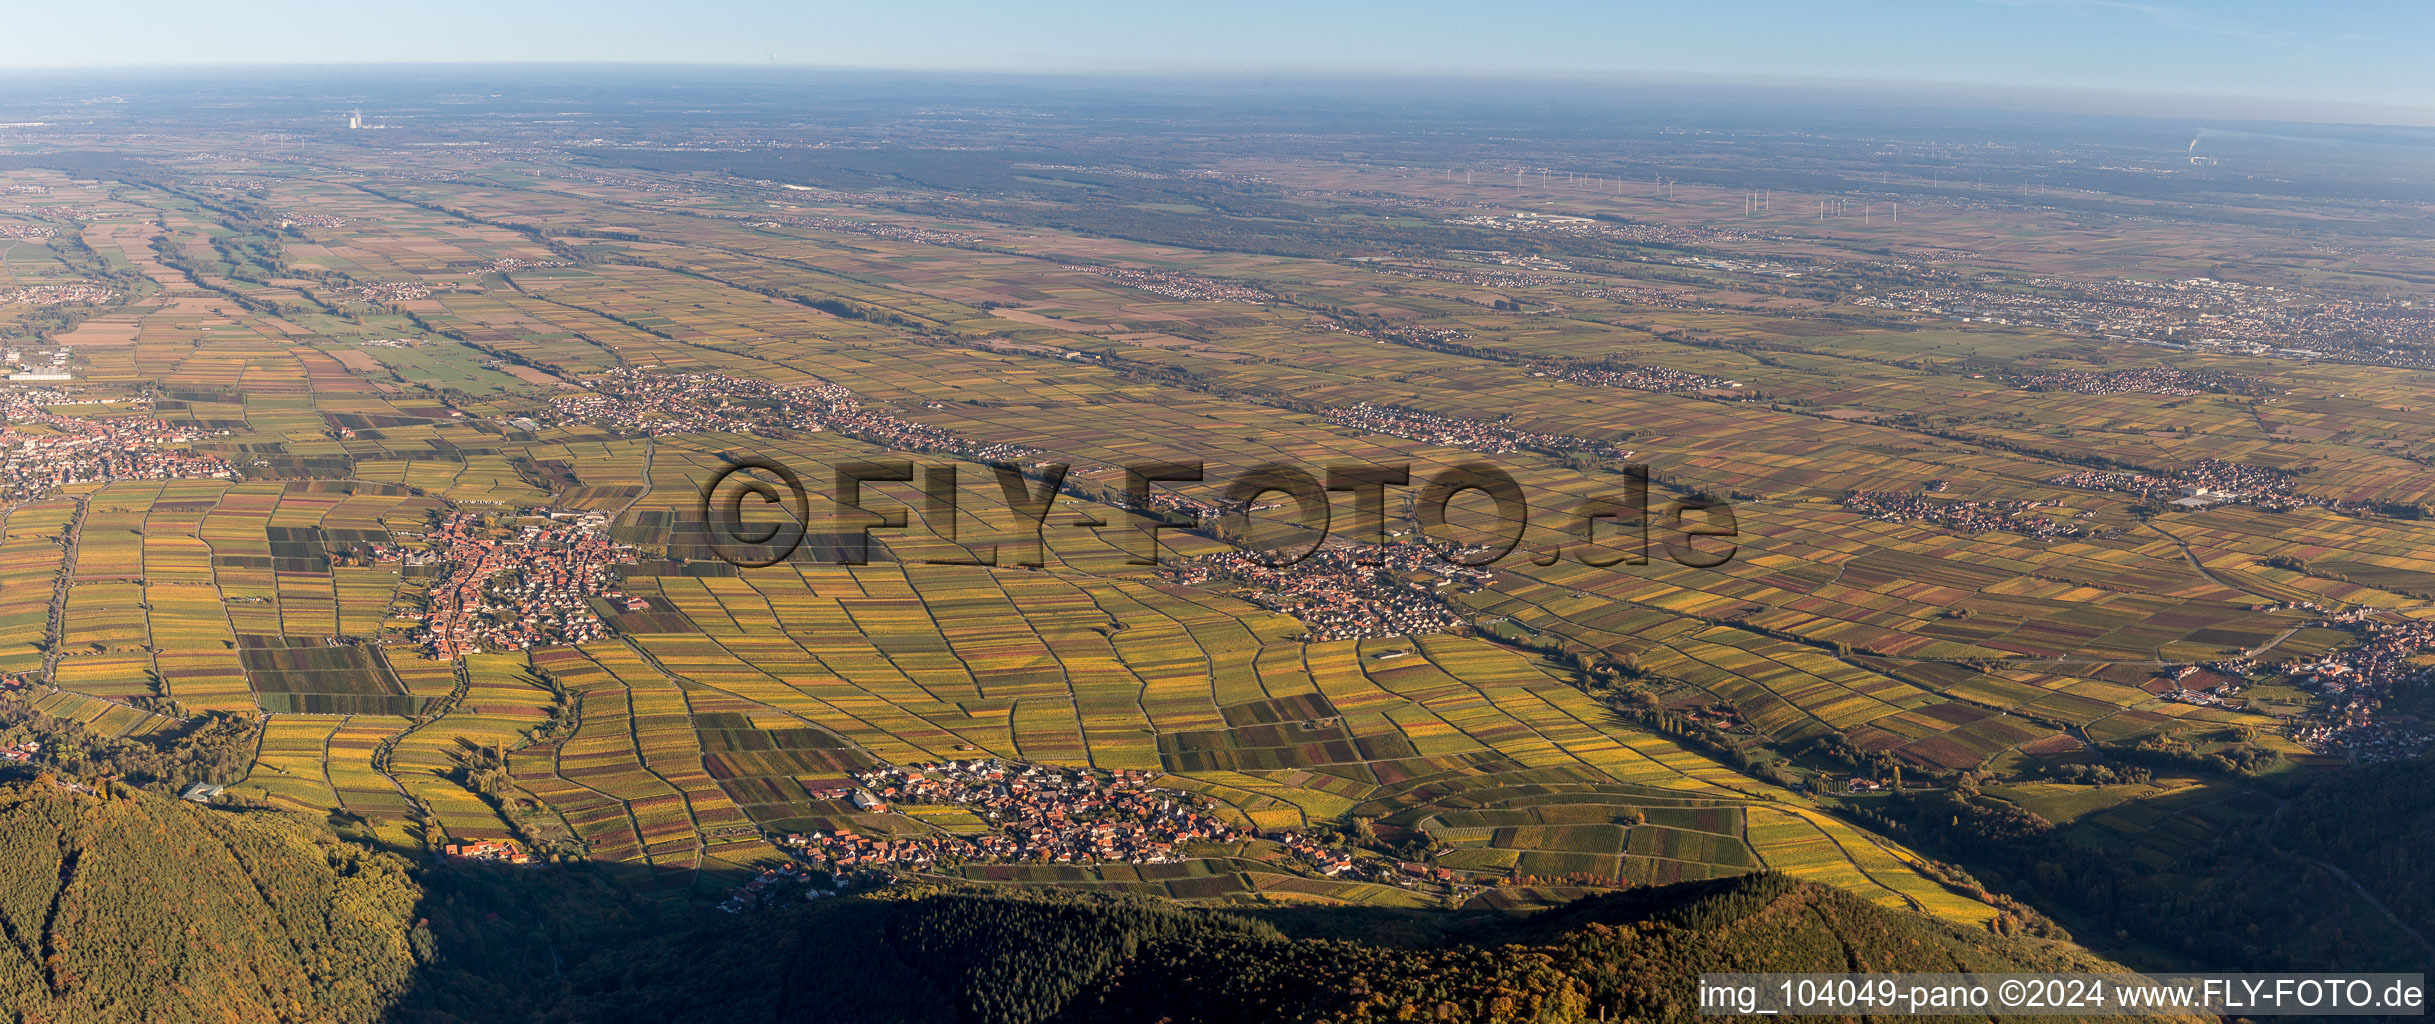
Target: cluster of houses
(1633, 231)
(71, 293)
(658, 405)
(1488, 437)
(824, 406)
(2203, 483)
(1505, 258)
(1032, 814)
(65, 450)
(773, 885)
(1187, 287)
(41, 366)
(1404, 334)
(1340, 863)
(891, 232)
(1964, 516)
(1332, 861)
(2193, 313)
(1351, 591)
(516, 582)
(1463, 275)
(674, 403)
(497, 851)
(2145, 380)
(393, 293)
(2216, 684)
(2356, 683)
(511, 264)
(1644, 378)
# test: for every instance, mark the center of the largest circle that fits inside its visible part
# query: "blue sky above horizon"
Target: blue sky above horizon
(2338, 57)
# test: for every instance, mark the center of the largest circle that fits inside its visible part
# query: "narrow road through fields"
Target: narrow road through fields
(55, 634)
(2270, 644)
(427, 716)
(650, 447)
(2192, 556)
(2277, 821)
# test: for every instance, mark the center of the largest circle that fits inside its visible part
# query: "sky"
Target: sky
(2339, 58)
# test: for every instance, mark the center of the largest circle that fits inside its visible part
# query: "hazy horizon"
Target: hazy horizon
(2352, 63)
(1588, 89)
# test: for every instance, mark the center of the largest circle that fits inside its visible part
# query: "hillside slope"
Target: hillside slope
(126, 906)
(1629, 956)
(1059, 957)
(119, 906)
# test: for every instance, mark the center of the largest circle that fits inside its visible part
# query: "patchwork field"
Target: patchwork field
(1879, 543)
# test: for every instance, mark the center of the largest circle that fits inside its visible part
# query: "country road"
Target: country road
(2276, 822)
(57, 632)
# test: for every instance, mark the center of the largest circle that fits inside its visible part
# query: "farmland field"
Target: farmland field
(1652, 537)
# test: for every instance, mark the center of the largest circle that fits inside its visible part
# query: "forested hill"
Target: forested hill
(120, 906)
(1629, 956)
(2377, 824)
(1018, 957)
